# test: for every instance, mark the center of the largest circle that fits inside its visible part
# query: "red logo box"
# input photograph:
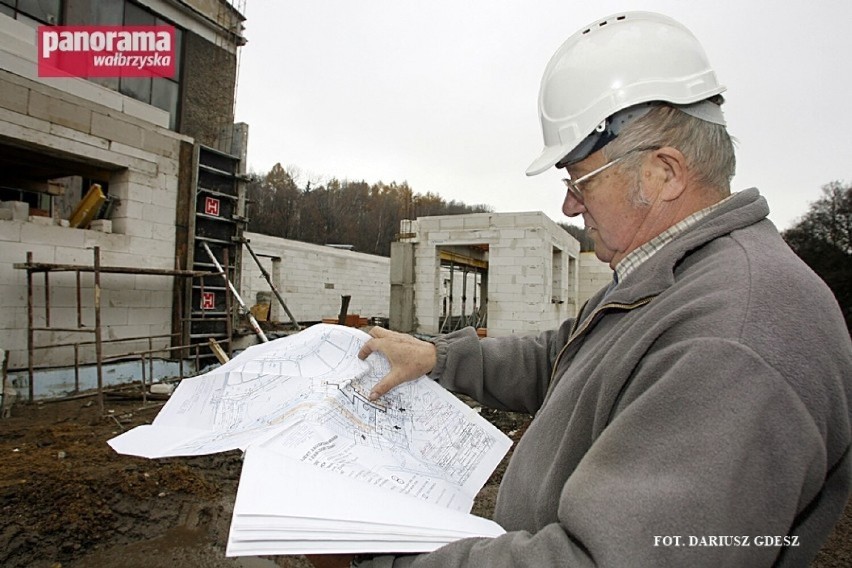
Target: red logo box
(106, 51)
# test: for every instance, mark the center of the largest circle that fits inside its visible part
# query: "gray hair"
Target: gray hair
(707, 147)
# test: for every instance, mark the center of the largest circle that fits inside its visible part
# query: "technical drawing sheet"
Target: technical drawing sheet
(304, 397)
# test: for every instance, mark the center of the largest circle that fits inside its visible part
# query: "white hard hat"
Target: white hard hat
(616, 63)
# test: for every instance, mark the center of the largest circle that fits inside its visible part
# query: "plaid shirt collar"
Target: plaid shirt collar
(633, 260)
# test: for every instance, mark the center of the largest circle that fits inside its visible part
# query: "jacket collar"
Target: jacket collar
(657, 273)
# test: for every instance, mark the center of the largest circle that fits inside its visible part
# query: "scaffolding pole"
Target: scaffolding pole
(96, 268)
(272, 286)
(254, 325)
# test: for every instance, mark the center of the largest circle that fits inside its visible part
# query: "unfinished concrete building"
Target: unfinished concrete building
(503, 273)
(166, 160)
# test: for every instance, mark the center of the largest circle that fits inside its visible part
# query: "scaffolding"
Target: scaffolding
(183, 351)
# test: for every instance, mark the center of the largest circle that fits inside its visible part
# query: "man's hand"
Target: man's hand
(409, 357)
(330, 560)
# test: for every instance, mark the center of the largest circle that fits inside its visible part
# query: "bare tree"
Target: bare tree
(823, 239)
(339, 211)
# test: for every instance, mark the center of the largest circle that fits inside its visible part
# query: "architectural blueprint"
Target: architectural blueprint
(304, 398)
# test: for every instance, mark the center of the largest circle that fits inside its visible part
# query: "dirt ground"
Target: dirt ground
(69, 501)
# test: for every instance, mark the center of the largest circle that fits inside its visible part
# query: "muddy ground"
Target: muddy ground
(69, 501)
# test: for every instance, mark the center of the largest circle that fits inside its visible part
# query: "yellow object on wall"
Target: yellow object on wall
(88, 208)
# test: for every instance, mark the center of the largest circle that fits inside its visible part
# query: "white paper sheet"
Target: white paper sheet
(414, 459)
(274, 488)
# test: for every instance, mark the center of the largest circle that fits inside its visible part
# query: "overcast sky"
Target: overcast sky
(442, 94)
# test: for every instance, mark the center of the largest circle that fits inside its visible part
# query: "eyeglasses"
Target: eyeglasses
(573, 185)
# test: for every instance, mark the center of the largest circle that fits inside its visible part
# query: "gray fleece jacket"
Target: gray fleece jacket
(705, 400)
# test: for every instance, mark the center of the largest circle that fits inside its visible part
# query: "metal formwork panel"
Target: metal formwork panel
(218, 222)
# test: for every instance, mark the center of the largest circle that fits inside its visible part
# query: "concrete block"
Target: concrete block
(437, 236)
(134, 151)
(27, 119)
(160, 142)
(427, 225)
(20, 211)
(512, 291)
(18, 64)
(114, 316)
(159, 251)
(508, 252)
(167, 166)
(157, 212)
(503, 220)
(513, 234)
(113, 248)
(13, 97)
(60, 111)
(140, 193)
(168, 183)
(477, 221)
(18, 41)
(10, 253)
(51, 235)
(476, 236)
(145, 112)
(66, 296)
(538, 246)
(134, 178)
(42, 221)
(102, 225)
(125, 332)
(129, 209)
(532, 279)
(119, 293)
(160, 284)
(530, 219)
(20, 46)
(164, 233)
(13, 295)
(117, 130)
(453, 222)
(136, 228)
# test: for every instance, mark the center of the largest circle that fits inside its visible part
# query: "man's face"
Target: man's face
(612, 218)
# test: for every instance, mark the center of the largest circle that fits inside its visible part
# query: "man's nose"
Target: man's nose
(572, 206)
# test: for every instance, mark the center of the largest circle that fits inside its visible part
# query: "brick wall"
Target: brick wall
(208, 92)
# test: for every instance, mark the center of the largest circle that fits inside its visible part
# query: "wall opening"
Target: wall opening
(558, 291)
(52, 184)
(463, 287)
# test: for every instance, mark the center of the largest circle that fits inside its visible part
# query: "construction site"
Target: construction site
(126, 265)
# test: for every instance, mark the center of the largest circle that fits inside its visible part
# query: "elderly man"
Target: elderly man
(696, 412)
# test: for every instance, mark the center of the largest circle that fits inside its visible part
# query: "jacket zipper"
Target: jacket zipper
(579, 330)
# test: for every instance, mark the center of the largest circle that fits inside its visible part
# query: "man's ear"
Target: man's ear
(669, 166)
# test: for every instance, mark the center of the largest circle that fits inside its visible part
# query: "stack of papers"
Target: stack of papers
(326, 470)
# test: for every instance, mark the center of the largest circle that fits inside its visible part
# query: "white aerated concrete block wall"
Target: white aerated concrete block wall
(312, 278)
(520, 282)
(81, 121)
(594, 275)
